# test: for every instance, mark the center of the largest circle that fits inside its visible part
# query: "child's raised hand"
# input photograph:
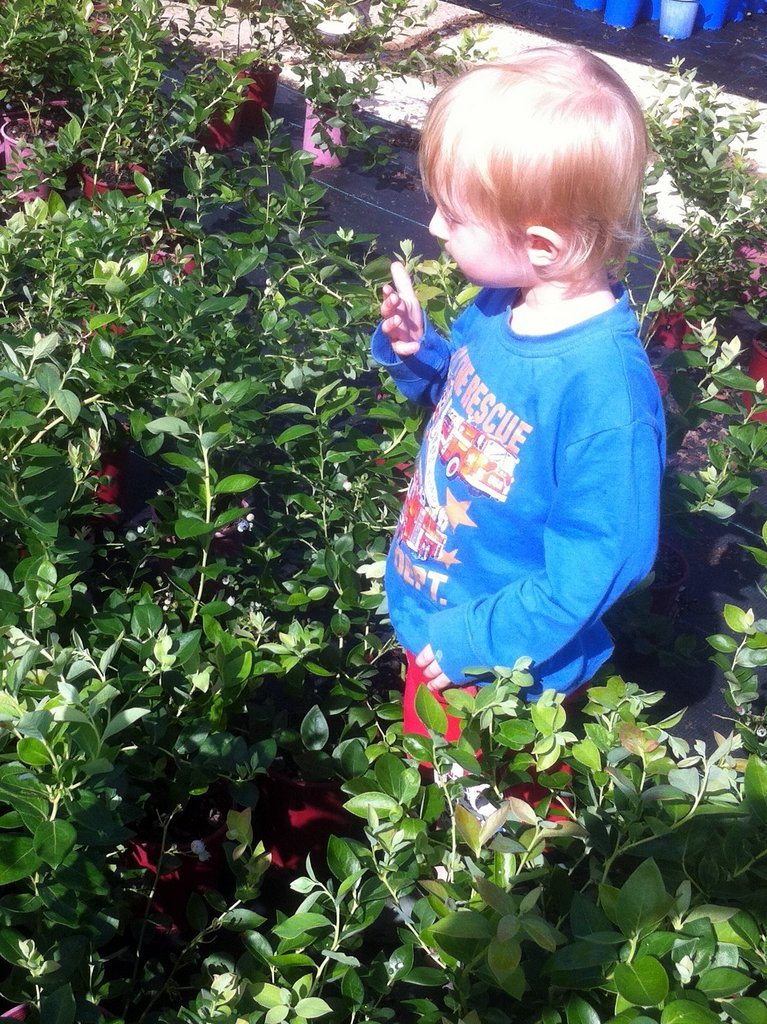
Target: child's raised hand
(401, 312)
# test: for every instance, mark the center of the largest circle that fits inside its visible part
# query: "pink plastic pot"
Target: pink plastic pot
(16, 153)
(758, 258)
(15, 1013)
(312, 142)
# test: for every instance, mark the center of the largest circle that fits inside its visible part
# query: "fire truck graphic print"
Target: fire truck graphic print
(422, 528)
(474, 457)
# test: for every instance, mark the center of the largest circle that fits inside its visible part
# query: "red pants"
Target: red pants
(531, 792)
(413, 725)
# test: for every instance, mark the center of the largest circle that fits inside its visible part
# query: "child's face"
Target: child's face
(483, 255)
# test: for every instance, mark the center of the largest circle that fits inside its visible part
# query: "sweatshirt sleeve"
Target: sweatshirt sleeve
(422, 376)
(600, 540)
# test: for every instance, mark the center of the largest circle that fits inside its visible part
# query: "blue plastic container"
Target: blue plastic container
(590, 5)
(711, 14)
(622, 13)
(677, 18)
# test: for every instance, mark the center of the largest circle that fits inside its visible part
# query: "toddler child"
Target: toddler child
(534, 502)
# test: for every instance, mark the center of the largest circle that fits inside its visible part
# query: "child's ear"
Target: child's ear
(544, 245)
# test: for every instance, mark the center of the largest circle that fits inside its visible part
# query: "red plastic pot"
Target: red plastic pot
(757, 369)
(670, 330)
(662, 381)
(93, 187)
(187, 263)
(199, 866)
(248, 118)
(296, 818)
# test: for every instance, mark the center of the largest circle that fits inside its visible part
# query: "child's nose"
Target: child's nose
(438, 226)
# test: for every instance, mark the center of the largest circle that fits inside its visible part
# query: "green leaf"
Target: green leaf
(299, 924)
(389, 771)
(10, 943)
(685, 1011)
(722, 642)
(58, 1007)
(643, 982)
(463, 933)
(342, 860)
(235, 484)
(122, 720)
(722, 982)
(312, 1007)
(748, 1010)
(267, 995)
(686, 779)
(188, 526)
(642, 901)
(738, 620)
(587, 753)
(18, 858)
(68, 403)
(755, 787)
(53, 840)
(169, 425)
(430, 711)
(469, 827)
(578, 1011)
(362, 803)
(503, 959)
(32, 751)
(294, 432)
(314, 729)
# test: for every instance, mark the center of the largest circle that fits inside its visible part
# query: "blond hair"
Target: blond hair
(555, 138)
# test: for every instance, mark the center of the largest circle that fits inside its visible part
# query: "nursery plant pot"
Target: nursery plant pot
(662, 381)
(712, 14)
(195, 865)
(187, 263)
(757, 369)
(248, 118)
(622, 13)
(671, 571)
(297, 817)
(757, 257)
(16, 151)
(111, 180)
(15, 1013)
(312, 143)
(590, 5)
(259, 97)
(670, 331)
(677, 18)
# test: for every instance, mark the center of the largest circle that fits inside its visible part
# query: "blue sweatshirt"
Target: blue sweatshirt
(534, 503)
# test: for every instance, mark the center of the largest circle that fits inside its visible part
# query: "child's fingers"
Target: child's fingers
(402, 283)
(405, 348)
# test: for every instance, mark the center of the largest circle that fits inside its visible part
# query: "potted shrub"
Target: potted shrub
(141, 112)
